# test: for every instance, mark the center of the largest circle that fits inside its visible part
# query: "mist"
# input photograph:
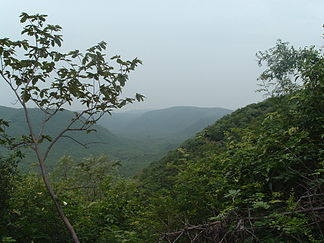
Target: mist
(194, 53)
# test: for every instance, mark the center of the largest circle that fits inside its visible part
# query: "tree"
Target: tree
(288, 69)
(39, 75)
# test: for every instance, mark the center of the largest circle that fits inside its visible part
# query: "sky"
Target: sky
(194, 52)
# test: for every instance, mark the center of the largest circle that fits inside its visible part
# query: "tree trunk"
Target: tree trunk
(57, 203)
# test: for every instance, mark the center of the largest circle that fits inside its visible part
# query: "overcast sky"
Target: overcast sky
(195, 52)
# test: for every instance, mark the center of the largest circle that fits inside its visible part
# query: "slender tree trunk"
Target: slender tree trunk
(41, 160)
(56, 202)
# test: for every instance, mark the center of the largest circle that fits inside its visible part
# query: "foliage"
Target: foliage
(86, 175)
(8, 175)
(258, 171)
(287, 68)
(32, 214)
(98, 202)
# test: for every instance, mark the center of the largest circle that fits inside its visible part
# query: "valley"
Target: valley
(134, 139)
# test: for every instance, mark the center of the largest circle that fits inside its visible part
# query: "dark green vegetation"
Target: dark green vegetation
(256, 175)
(257, 168)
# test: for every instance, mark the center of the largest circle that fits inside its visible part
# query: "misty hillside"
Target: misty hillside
(209, 140)
(178, 122)
(100, 142)
(134, 138)
(120, 120)
(158, 131)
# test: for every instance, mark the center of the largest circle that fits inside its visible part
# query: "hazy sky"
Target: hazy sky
(195, 52)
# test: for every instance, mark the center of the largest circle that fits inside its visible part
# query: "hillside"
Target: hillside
(256, 170)
(99, 143)
(261, 167)
(209, 139)
(137, 138)
(158, 131)
(178, 122)
(118, 121)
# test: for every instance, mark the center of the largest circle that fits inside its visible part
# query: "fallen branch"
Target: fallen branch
(219, 226)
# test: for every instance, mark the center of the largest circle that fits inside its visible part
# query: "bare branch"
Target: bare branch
(75, 140)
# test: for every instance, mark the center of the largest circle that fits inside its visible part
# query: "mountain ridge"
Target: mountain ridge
(165, 122)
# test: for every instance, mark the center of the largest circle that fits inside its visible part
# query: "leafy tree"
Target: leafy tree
(39, 75)
(32, 214)
(86, 175)
(289, 69)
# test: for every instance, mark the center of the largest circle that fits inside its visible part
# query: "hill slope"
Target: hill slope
(159, 131)
(138, 138)
(100, 142)
(181, 121)
(260, 167)
(209, 139)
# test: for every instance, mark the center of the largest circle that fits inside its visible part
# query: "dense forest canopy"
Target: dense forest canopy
(256, 175)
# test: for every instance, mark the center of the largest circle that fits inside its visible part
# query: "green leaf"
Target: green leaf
(24, 17)
(139, 97)
(26, 97)
(115, 57)
(261, 204)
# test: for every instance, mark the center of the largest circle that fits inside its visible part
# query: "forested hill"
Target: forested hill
(259, 168)
(98, 143)
(137, 138)
(212, 139)
(255, 175)
(156, 132)
(178, 122)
